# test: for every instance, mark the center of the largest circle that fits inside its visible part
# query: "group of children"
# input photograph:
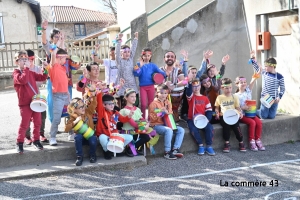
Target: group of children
(98, 111)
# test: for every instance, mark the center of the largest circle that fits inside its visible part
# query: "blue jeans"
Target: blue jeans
(59, 100)
(208, 131)
(267, 113)
(80, 140)
(103, 139)
(168, 133)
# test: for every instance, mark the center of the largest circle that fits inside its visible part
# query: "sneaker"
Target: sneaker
(37, 145)
(210, 151)
(140, 151)
(259, 145)
(253, 146)
(107, 155)
(128, 152)
(169, 155)
(177, 153)
(79, 160)
(226, 148)
(201, 150)
(43, 138)
(52, 142)
(242, 147)
(71, 137)
(28, 141)
(93, 159)
(19, 148)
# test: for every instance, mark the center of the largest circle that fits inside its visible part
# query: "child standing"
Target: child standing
(107, 122)
(59, 79)
(227, 101)
(79, 111)
(25, 86)
(124, 58)
(144, 70)
(272, 80)
(132, 126)
(162, 103)
(244, 93)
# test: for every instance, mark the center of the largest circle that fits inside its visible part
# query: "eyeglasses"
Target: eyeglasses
(23, 59)
(57, 37)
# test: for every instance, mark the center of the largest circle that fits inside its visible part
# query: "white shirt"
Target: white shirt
(111, 71)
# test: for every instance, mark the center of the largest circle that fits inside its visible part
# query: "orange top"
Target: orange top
(157, 104)
(59, 79)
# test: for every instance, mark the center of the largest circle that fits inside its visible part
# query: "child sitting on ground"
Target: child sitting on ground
(25, 86)
(199, 104)
(163, 104)
(79, 111)
(223, 103)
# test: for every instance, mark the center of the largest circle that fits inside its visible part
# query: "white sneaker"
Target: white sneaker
(71, 137)
(52, 142)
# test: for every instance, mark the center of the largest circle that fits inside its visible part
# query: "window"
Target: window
(80, 30)
(1, 30)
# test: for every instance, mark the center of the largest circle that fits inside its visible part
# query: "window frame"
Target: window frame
(80, 30)
(1, 29)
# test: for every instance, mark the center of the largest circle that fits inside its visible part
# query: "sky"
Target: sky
(87, 4)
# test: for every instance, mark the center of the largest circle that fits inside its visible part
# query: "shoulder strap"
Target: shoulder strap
(30, 86)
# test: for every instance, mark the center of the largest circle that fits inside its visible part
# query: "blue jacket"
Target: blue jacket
(145, 73)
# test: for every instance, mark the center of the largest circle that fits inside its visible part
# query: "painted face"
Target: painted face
(146, 56)
(80, 108)
(242, 84)
(162, 94)
(227, 90)
(169, 58)
(125, 53)
(196, 88)
(131, 98)
(94, 71)
(212, 72)
(109, 105)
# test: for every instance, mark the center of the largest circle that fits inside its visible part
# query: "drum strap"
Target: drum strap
(30, 86)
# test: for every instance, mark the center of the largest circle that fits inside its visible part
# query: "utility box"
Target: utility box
(263, 41)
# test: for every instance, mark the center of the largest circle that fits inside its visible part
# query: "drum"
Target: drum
(84, 129)
(116, 143)
(38, 103)
(65, 111)
(74, 63)
(169, 121)
(200, 121)
(251, 112)
(231, 116)
(176, 97)
(158, 78)
(267, 101)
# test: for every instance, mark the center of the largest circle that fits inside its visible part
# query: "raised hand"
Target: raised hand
(120, 36)
(252, 54)
(141, 62)
(136, 35)
(122, 82)
(97, 46)
(185, 54)
(45, 24)
(207, 54)
(225, 59)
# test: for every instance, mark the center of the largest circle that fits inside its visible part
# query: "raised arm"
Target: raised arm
(134, 45)
(185, 62)
(206, 55)
(44, 33)
(222, 69)
(118, 49)
(94, 55)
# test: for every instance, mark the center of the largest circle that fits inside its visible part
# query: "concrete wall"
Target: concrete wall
(19, 22)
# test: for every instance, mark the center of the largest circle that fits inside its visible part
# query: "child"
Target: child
(210, 91)
(272, 80)
(79, 111)
(199, 104)
(38, 70)
(124, 58)
(132, 126)
(144, 70)
(254, 124)
(59, 81)
(25, 86)
(162, 103)
(107, 123)
(227, 101)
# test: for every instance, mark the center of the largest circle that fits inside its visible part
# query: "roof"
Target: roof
(71, 14)
(36, 9)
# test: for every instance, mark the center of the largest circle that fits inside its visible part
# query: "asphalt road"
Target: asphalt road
(273, 174)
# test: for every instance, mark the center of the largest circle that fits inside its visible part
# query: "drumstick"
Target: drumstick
(232, 115)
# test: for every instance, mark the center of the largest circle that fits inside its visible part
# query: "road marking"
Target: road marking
(166, 179)
(291, 198)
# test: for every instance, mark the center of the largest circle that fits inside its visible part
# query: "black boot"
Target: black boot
(79, 161)
(107, 155)
(19, 148)
(128, 152)
(93, 158)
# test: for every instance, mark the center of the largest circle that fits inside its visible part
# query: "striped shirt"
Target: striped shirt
(271, 82)
(174, 75)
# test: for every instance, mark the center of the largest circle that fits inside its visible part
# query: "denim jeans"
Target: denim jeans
(103, 139)
(59, 100)
(168, 134)
(267, 113)
(208, 131)
(80, 140)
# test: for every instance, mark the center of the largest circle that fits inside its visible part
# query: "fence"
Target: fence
(81, 48)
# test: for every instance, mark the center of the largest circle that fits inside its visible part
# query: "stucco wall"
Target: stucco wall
(19, 21)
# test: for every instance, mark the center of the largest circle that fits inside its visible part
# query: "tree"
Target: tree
(112, 5)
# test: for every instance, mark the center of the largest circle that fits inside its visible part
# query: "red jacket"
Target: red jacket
(21, 84)
(107, 120)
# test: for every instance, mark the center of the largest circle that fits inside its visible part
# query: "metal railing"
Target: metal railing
(82, 49)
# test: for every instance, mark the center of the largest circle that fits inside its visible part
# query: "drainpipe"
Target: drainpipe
(263, 28)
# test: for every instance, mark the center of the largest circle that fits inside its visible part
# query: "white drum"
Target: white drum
(231, 116)
(39, 103)
(116, 143)
(200, 121)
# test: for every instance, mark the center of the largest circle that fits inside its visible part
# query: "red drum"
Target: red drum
(158, 78)
(176, 97)
(170, 122)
